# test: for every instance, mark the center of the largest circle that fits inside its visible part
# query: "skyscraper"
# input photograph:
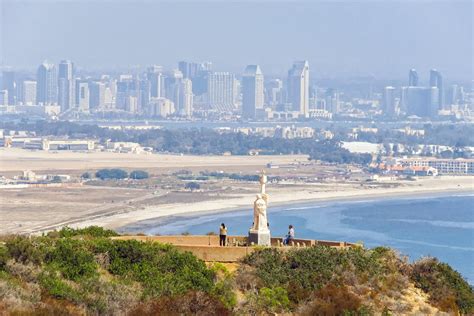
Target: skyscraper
(47, 84)
(252, 91)
(3, 97)
(9, 84)
(28, 92)
(184, 98)
(156, 81)
(198, 73)
(412, 78)
(96, 95)
(221, 91)
(82, 95)
(422, 101)
(389, 106)
(66, 87)
(274, 92)
(332, 101)
(298, 87)
(436, 80)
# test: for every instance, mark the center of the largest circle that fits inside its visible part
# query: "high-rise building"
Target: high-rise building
(252, 91)
(126, 87)
(412, 78)
(9, 84)
(96, 95)
(66, 86)
(221, 91)
(389, 105)
(198, 73)
(184, 98)
(28, 92)
(82, 95)
(46, 84)
(156, 81)
(3, 97)
(298, 87)
(422, 101)
(160, 107)
(274, 92)
(436, 80)
(332, 101)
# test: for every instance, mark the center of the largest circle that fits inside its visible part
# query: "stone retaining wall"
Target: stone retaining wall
(207, 247)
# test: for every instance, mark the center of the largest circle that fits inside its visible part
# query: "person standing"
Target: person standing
(290, 236)
(222, 235)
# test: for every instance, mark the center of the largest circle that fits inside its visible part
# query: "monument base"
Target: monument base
(261, 238)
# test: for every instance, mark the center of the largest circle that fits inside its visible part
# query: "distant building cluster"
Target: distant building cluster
(428, 101)
(196, 90)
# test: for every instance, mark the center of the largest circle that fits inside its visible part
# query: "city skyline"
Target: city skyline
(328, 35)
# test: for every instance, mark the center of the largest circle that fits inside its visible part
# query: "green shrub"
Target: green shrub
(73, 259)
(275, 300)
(91, 231)
(104, 174)
(57, 287)
(25, 250)
(445, 286)
(4, 256)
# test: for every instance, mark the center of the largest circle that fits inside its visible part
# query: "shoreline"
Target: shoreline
(159, 213)
(275, 207)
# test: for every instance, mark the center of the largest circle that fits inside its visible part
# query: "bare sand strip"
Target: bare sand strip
(14, 159)
(425, 187)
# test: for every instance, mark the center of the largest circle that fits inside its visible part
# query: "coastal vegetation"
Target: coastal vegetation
(84, 271)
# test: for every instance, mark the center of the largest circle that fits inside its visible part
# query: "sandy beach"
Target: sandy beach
(115, 204)
(278, 197)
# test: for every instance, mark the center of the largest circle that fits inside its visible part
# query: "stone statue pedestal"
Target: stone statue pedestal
(259, 237)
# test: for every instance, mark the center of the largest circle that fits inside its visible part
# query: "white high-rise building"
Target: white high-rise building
(66, 86)
(47, 84)
(298, 87)
(3, 97)
(184, 98)
(221, 91)
(252, 91)
(389, 104)
(28, 92)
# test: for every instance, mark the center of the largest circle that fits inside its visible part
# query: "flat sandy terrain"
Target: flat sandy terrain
(116, 204)
(17, 160)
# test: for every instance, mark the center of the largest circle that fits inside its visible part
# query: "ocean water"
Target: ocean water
(439, 226)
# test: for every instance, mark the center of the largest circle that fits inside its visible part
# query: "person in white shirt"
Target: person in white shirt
(290, 236)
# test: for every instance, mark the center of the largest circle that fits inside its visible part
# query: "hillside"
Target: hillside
(83, 272)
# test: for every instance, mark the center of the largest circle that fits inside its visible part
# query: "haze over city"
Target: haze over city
(341, 38)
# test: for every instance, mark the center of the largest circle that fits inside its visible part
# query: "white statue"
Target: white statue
(260, 222)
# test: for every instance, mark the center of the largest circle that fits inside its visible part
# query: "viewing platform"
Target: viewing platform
(206, 247)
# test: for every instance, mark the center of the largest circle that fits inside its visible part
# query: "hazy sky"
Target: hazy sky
(384, 38)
